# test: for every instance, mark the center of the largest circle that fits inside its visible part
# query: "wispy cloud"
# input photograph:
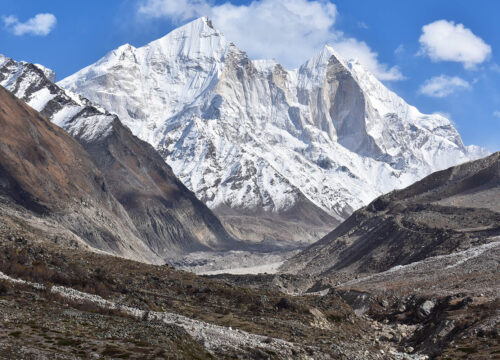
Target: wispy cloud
(495, 68)
(442, 86)
(399, 50)
(354, 49)
(40, 24)
(496, 114)
(290, 31)
(362, 25)
(444, 40)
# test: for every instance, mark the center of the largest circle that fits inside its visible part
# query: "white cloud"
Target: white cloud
(290, 31)
(40, 24)
(444, 40)
(443, 85)
(496, 114)
(9, 20)
(353, 49)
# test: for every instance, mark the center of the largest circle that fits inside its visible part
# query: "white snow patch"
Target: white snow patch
(40, 99)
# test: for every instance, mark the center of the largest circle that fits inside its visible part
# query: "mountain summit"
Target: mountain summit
(307, 146)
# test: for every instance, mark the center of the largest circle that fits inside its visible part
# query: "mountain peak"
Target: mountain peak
(202, 26)
(322, 58)
(195, 39)
(328, 51)
(49, 73)
(208, 22)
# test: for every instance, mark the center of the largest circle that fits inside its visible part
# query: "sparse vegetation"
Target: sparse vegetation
(153, 288)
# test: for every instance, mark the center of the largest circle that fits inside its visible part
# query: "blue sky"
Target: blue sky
(450, 66)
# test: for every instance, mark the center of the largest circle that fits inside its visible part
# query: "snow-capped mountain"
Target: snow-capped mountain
(250, 137)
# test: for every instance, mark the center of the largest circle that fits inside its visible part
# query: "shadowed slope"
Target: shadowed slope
(167, 214)
(169, 218)
(47, 172)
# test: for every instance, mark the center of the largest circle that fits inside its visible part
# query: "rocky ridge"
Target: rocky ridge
(448, 211)
(47, 177)
(168, 217)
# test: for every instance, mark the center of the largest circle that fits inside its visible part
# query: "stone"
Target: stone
(425, 309)
(284, 303)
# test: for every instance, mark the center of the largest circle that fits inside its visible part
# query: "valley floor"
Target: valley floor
(61, 301)
(233, 262)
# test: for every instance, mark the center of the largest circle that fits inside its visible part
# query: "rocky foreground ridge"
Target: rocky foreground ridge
(448, 211)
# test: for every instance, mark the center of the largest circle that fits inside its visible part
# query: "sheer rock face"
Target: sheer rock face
(165, 215)
(445, 213)
(255, 138)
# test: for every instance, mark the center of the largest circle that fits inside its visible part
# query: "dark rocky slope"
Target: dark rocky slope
(49, 175)
(446, 212)
(167, 215)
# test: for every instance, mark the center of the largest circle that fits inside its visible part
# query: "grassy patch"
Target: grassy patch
(468, 350)
(68, 342)
(114, 352)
